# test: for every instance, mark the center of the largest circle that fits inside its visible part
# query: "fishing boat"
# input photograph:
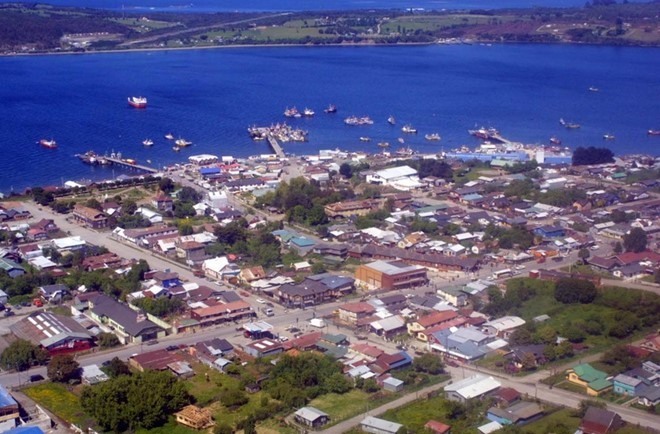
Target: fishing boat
(409, 129)
(137, 102)
(365, 139)
(331, 109)
(354, 120)
(169, 136)
(147, 142)
(555, 141)
(432, 137)
(391, 120)
(653, 132)
(400, 140)
(569, 125)
(608, 136)
(308, 112)
(593, 89)
(384, 144)
(292, 113)
(182, 143)
(176, 148)
(50, 144)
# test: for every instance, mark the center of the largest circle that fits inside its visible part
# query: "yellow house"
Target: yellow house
(594, 381)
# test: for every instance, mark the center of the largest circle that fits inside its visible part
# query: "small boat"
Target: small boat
(555, 141)
(149, 161)
(391, 120)
(354, 120)
(182, 143)
(331, 109)
(50, 144)
(137, 102)
(432, 137)
(608, 137)
(308, 112)
(147, 142)
(384, 144)
(292, 113)
(400, 140)
(365, 139)
(176, 148)
(169, 136)
(569, 125)
(409, 129)
(593, 89)
(653, 132)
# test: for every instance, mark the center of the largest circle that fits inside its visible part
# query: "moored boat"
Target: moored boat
(391, 120)
(137, 101)
(182, 143)
(409, 129)
(331, 109)
(432, 137)
(555, 141)
(593, 89)
(147, 142)
(292, 113)
(354, 120)
(308, 112)
(50, 144)
(569, 125)
(384, 144)
(176, 148)
(653, 132)
(169, 136)
(365, 139)
(608, 136)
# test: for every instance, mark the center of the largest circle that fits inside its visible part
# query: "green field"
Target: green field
(342, 407)
(61, 401)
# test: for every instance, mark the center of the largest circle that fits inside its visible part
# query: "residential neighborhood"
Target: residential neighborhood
(394, 294)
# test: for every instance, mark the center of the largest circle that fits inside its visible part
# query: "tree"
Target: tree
(583, 254)
(635, 240)
(62, 368)
(585, 404)
(592, 155)
(570, 291)
(346, 170)
(249, 426)
(429, 363)
(574, 334)
(528, 361)
(117, 367)
(166, 185)
(22, 354)
(185, 228)
(521, 336)
(142, 400)
(564, 349)
(618, 248)
(549, 352)
(107, 340)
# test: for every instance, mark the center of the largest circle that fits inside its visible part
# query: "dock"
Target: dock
(276, 146)
(126, 164)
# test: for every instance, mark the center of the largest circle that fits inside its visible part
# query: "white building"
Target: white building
(150, 215)
(402, 178)
(472, 387)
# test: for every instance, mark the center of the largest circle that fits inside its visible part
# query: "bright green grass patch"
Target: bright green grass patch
(58, 399)
(342, 407)
(552, 422)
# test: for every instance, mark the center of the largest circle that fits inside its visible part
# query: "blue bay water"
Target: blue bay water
(210, 97)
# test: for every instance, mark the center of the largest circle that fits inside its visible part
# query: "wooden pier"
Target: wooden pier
(128, 165)
(276, 146)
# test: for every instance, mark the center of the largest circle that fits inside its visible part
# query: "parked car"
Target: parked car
(261, 301)
(35, 378)
(172, 347)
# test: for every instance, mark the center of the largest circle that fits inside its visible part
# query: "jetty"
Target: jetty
(130, 165)
(276, 146)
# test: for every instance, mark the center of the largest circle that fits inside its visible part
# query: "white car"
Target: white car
(261, 301)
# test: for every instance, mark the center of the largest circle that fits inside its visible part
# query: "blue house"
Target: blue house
(301, 242)
(166, 279)
(627, 385)
(11, 267)
(549, 231)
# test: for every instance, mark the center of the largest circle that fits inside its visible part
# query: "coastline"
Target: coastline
(343, 44)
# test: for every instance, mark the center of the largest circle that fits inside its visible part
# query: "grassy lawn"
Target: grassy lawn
(171, 427)
(342, 407)
(58, 399)
(417, 413)
(552, 422)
